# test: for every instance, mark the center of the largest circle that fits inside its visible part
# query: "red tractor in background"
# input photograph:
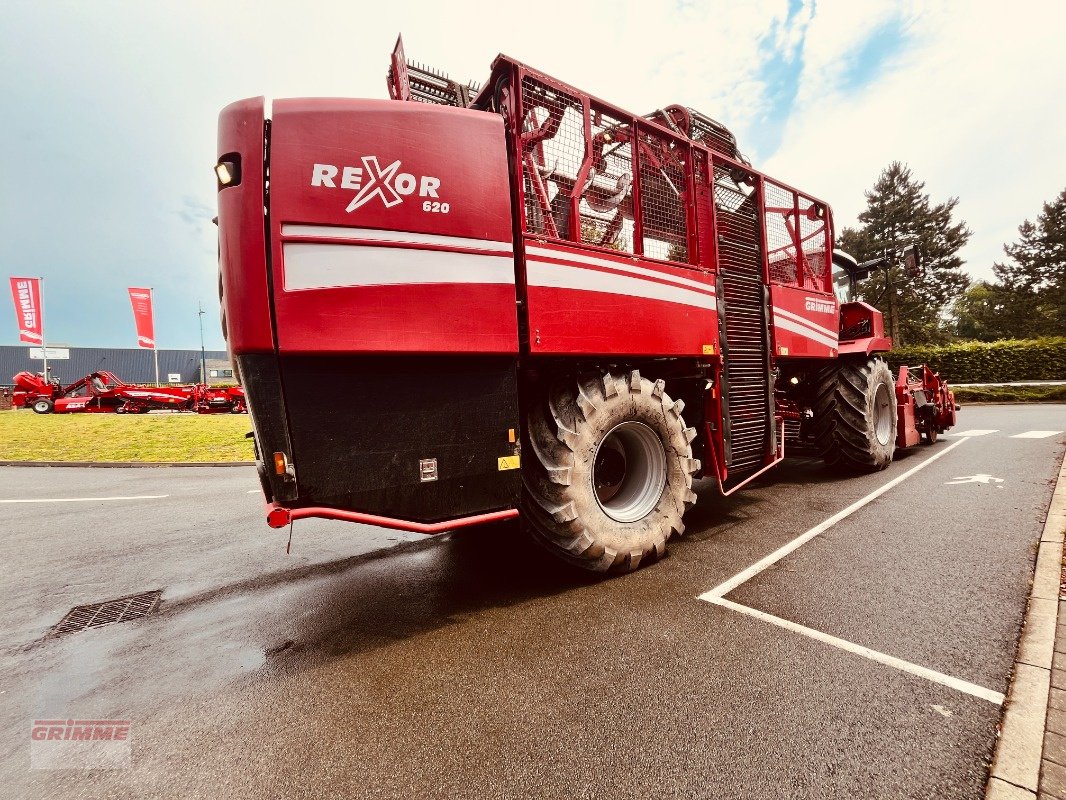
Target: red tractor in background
(535, 303)
(104, 392)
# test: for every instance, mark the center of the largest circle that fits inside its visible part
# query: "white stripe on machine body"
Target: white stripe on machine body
(787, 324)
(401, 237)
(644, 272)
(560, 276)
(806, 322)
(327, 266)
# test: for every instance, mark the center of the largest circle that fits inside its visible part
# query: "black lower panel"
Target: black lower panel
(266, 406)
(361, 425)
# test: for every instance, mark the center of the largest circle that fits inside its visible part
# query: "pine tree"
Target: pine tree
(1030, 290)
(899, 212)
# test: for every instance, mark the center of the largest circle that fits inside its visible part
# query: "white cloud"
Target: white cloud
(974, 104)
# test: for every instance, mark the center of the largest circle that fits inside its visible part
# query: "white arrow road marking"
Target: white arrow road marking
(718, 593)
(1035, 434)
(87, 499)
(980, 478)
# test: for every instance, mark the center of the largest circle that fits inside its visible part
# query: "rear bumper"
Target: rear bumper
(279, 517)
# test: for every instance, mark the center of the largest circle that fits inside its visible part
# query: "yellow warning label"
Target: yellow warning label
(508, 462)
(782, 351)
(708, 349)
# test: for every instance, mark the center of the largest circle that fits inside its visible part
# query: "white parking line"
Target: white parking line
(1035, 434)
(743, 577)
(866, 652)
(717, 594)
(87, 499)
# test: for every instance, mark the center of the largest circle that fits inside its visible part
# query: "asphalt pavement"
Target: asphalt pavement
(867, 662)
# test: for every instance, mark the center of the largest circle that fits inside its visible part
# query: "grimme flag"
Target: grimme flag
(26, 293)
(141, 300)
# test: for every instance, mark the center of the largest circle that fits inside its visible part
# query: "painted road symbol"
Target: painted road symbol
(982, 478)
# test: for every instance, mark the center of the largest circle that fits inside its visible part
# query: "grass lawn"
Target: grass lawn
(25, 436)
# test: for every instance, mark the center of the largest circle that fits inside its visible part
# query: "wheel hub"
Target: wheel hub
(883, 413)
(629, 472)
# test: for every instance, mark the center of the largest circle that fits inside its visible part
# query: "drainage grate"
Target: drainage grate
(109, 612)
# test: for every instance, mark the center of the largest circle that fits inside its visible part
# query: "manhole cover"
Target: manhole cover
(109, 612)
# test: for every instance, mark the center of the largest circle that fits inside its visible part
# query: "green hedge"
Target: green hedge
(1011, 394)
(990, 362)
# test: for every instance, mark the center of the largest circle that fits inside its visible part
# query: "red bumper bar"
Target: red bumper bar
(279, 517)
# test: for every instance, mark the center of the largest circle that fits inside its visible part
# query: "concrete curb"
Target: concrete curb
(124, 464)
(1015, 773)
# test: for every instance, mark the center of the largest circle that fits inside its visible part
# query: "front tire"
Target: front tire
(855, 415)
(43, 406)
(609, 477)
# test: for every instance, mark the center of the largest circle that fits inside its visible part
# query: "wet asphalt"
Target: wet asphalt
(371, 663)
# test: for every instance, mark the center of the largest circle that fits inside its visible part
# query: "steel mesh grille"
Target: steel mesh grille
(814, 243)
(108, 612)
(552, 154)
(713, 134)
(796, 239)
(779, 221)
(607, 202)
(746, 366)
(555, 155)
(663, 189)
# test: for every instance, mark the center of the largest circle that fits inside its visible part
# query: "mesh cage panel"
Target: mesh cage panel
(779, 222)
(607, 200)
(796, 239)
(736, 225)
(814, 242)
(713, 134)
(552, 152)
(663, 190)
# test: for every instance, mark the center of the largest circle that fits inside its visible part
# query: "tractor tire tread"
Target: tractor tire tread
(844, 417)
(558, 502)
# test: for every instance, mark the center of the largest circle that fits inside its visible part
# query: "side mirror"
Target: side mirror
(912, 259)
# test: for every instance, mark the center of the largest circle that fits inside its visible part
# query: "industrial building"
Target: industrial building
(132, 365)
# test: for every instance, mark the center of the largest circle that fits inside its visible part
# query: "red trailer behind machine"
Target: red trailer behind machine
(532, 301)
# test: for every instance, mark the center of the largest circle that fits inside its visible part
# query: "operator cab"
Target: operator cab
(845, 274)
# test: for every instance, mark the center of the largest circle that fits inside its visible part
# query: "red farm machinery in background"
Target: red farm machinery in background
(104, 392)
(535, 303)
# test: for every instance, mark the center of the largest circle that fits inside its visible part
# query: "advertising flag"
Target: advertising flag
(26, 293)
(141, 300)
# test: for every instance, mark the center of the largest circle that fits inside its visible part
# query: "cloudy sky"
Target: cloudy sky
(109, 112)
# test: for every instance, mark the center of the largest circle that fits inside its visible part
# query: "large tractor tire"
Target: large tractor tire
(610, 473)
(855, 415)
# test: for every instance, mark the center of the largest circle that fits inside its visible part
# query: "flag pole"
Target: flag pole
(155, 346)
(44, 341)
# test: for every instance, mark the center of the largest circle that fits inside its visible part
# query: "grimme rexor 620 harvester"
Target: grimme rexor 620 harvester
(527, 301)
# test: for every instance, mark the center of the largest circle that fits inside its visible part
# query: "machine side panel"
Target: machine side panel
(804, 322)
(243, 285)
(587, 302)
(391, 229)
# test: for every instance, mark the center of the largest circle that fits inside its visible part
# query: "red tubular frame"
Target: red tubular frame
(279, 516)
